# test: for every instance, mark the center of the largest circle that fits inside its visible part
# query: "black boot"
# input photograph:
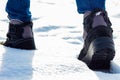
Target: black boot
(98, 49)
(20, 36)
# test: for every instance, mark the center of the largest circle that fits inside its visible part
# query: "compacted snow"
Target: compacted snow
(58, 33)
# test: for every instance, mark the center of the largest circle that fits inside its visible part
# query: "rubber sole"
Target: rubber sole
(102, 59)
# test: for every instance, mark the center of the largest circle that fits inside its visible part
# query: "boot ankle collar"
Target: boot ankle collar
(22, 24)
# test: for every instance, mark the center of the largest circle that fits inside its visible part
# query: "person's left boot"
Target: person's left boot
(20, 35)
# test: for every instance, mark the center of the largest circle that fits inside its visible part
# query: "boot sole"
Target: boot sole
(101, 51)
(27, 44)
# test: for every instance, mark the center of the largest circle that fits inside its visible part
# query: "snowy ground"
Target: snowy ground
(58, 35)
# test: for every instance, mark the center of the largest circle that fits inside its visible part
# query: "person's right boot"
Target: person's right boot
(98, 49)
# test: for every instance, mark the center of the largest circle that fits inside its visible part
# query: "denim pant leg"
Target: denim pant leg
(89, 5)
(19, 9)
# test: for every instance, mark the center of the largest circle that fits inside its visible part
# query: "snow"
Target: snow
(58, 36)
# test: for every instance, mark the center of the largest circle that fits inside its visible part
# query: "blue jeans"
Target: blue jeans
(19, 9)
(89, 5)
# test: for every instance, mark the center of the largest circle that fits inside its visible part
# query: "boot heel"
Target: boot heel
(101, 51)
